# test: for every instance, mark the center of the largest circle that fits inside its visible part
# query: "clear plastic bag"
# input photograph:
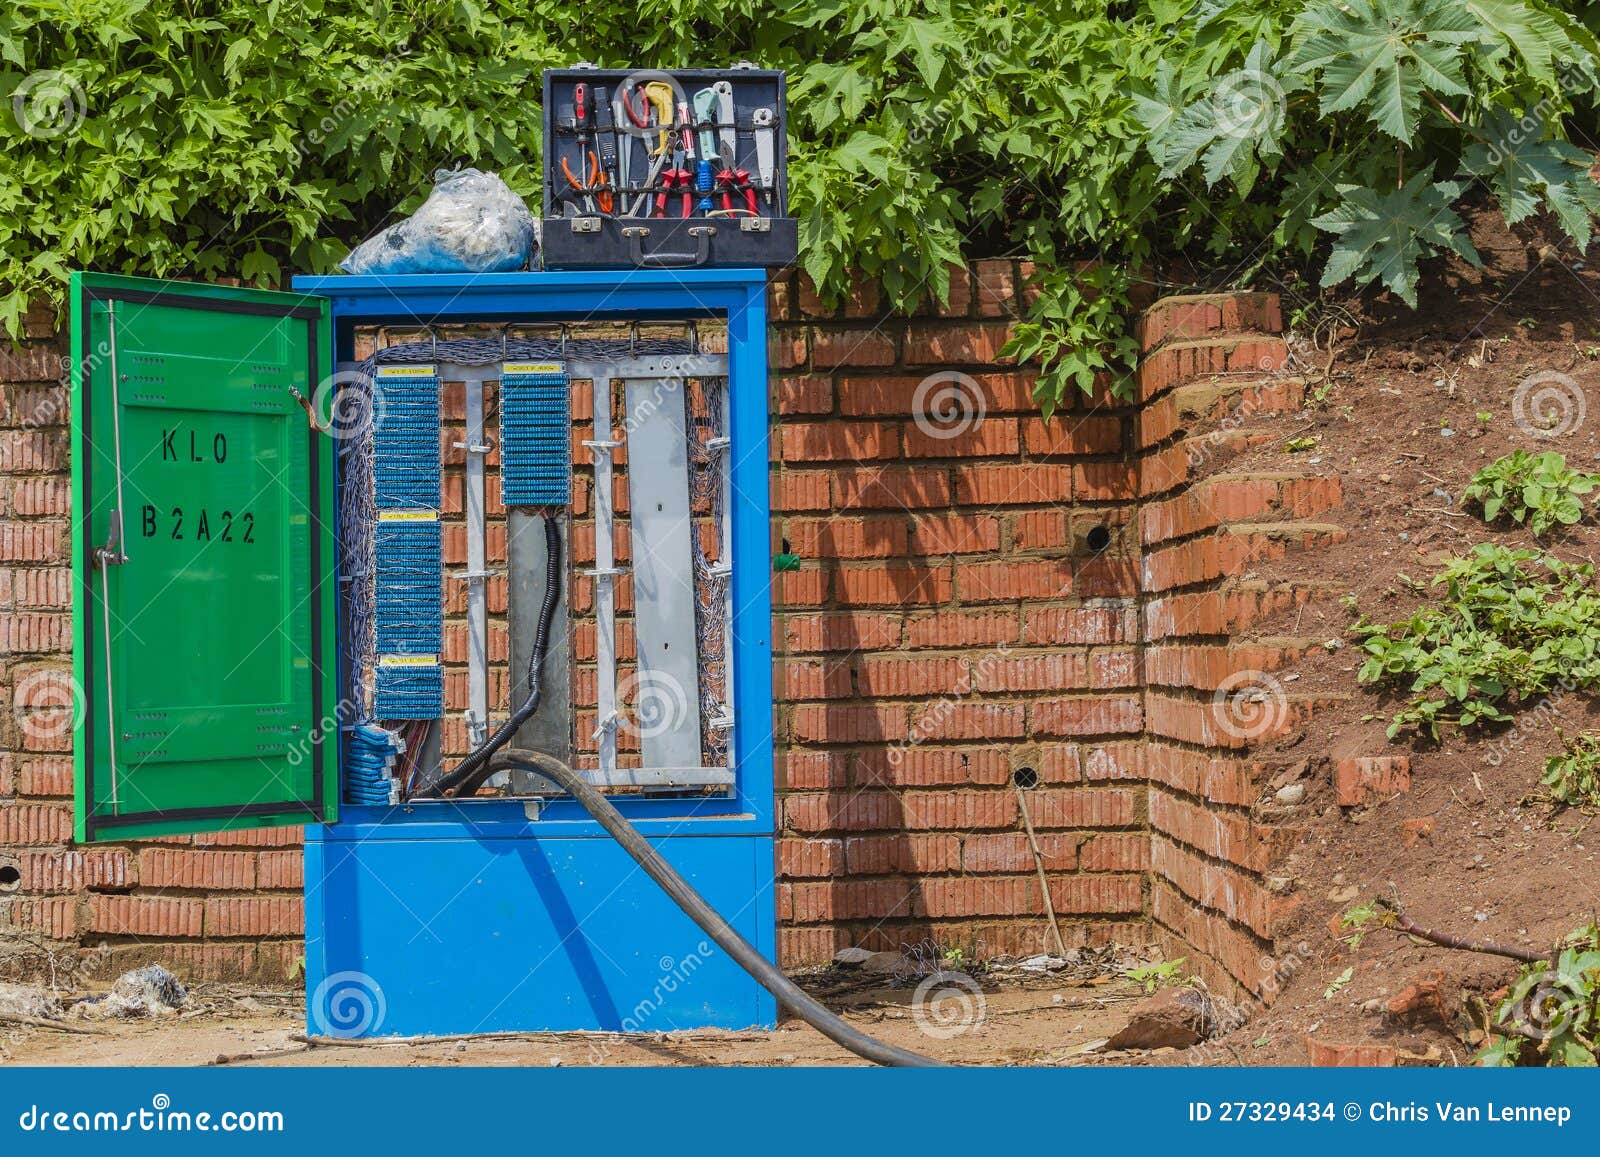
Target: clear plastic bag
(471, 223)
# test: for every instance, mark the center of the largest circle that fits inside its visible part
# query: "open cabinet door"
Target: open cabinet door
(203, 559)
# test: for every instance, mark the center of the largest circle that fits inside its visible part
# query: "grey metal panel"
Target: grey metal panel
(550, 730)
(532, 783)
(476, 574)
(599, 376)
(666, 697)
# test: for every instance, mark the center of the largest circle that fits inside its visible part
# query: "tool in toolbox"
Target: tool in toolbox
(763, 119)
(680, 167)
(592, 186)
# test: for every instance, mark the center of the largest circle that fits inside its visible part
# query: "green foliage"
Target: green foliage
(1536, 489)
(247, 138)
(1379, 57)
(1360, 920)
(1573, 775)
(1160, 975)
(1551, 1016)
(1514, 625)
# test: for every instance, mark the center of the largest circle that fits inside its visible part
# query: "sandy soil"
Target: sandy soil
(1041, 1023)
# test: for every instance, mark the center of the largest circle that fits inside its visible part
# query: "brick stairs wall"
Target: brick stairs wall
(1211, 365)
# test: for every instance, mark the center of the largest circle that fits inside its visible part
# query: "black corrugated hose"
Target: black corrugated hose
(790, 995)
(470, 774)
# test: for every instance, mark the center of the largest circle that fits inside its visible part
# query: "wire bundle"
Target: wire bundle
(369, 760)
(535, 435)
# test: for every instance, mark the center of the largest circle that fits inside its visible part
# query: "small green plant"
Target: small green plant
(1514, 625)
(1484, 418)
(1551, 1016)
(1357, 922)
(1537, 489)
(1154, 976)
(1573, 776)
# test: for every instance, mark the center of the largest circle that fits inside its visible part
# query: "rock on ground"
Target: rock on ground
(1172, 1018)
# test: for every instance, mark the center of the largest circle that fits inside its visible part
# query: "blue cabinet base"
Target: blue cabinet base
(432, 934)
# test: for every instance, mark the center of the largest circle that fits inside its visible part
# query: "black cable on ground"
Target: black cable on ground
(469, 775)
(790, 995)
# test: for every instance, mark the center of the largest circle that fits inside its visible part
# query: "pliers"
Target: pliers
(593, 187)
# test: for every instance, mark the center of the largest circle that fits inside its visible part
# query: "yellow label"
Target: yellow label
(406, 372)
(534, 368)
(408, 516)
(408, 660)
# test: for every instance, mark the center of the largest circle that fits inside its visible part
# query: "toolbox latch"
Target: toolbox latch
(755, 224)
(586, 224)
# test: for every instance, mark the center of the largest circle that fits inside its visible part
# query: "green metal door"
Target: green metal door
(203, 559)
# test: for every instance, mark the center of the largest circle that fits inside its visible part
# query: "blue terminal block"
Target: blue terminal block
(468, 916)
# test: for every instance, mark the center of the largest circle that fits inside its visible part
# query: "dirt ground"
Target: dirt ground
(1043, 1022)
(1417, 402)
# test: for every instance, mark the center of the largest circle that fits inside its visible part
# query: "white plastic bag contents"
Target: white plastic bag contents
(471, 223)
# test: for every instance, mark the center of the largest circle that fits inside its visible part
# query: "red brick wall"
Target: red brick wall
(949, 625)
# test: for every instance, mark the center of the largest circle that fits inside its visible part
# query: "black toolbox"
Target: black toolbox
(623, 191)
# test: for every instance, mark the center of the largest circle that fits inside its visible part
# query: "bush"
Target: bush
(242, 137)
(1514, 625)
(1537, 489)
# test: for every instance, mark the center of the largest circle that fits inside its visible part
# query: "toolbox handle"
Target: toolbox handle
(701, 233)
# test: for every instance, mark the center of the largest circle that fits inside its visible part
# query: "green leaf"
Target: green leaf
(1532, 31)
(1239, 117)
(1381, 56)
(1382, 236)
(1522, 171)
